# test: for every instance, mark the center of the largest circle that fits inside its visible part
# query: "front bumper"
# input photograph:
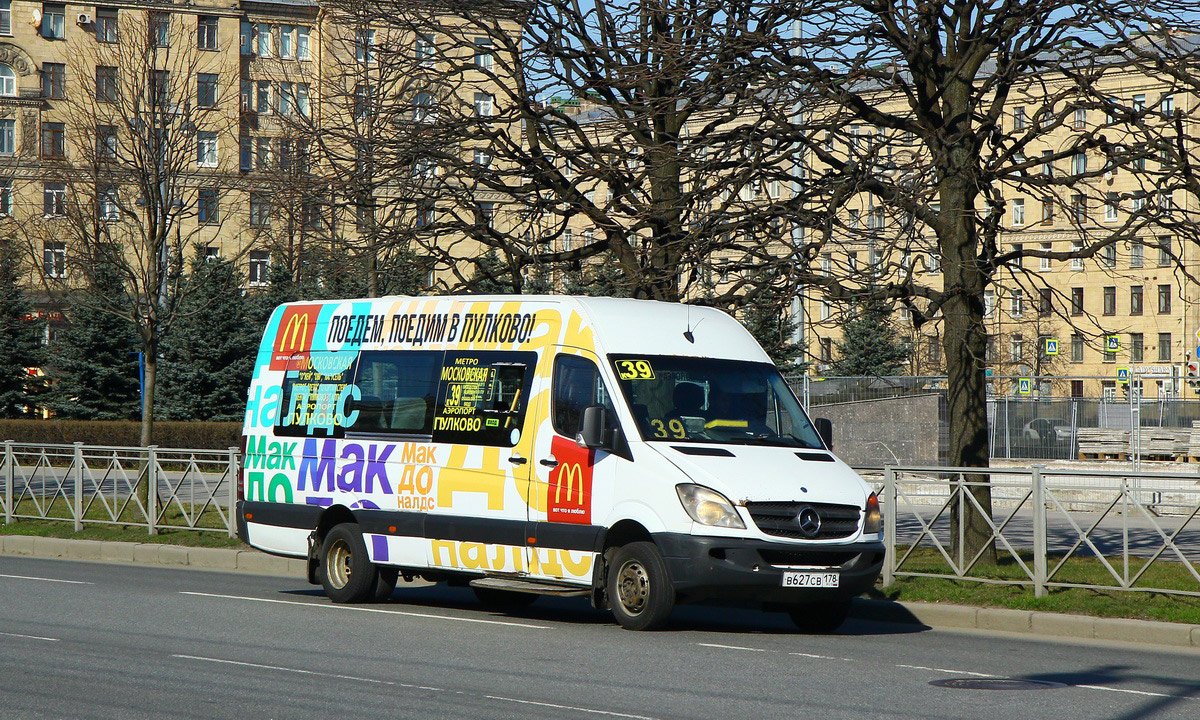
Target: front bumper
(709, 568)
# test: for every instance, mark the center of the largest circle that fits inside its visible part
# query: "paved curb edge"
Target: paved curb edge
(934, 615)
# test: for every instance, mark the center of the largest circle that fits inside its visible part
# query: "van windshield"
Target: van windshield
(686, 399)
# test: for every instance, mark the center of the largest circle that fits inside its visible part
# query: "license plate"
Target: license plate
(811, 579)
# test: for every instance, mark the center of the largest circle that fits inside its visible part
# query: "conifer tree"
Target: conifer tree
(20, 339)
(208, 354)
(94, 360)
(870, 344)
(774, 329)
(491, 277)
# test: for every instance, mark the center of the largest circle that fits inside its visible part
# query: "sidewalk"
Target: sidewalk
(934, 615)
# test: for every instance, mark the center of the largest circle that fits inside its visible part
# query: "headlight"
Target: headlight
(708, 507)
(874, 521)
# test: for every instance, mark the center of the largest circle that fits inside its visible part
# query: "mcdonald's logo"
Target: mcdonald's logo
(295, 335)
(570, 477)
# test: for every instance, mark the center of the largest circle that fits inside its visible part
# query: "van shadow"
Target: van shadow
(732, 619)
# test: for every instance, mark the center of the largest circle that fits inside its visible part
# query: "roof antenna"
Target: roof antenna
(687, 334)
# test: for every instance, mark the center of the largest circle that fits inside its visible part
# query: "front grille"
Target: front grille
(807, 558)
(779, 519)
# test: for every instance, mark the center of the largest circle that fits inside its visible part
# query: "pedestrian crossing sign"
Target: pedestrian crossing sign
(1051, 346)
(1024, 386)
(1112, 343)
(1122, 374)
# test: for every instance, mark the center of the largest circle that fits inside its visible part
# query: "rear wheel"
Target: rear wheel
(639, 588)
(346, 572)
(503, 600)
(820, 618)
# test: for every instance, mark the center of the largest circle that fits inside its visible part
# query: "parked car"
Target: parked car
(1046, 430)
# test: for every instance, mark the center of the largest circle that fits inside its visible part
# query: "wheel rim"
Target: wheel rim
(633, 587)
(338, 563)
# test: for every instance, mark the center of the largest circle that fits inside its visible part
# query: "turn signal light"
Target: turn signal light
(874, 521)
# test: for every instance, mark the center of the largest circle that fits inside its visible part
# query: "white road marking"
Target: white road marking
(820, 657)
(30, 637)
(730, 647)
(26, 577)
(949, 672)
(392, 683)
(430, 616)
(1136, 692)
(569, 707)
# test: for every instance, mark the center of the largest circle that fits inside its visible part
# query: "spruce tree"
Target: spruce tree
(596, 280)
(208, 354)
(492, 276)
(774, 329)
(20, 339)
(94, 362)
(870, 344)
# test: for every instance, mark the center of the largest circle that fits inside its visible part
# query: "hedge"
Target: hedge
(167, 434)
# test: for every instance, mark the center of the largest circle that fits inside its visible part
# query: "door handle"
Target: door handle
(549, 462)
(517, 460)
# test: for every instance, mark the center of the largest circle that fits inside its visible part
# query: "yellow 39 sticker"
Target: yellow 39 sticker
(634, 370)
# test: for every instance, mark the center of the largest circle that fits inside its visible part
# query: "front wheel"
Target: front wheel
(639, 587)
(820, 618)
(346, 571)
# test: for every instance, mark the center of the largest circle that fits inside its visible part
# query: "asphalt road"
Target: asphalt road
(81, 640)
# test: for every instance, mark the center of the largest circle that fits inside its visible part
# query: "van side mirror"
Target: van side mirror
(825, 430)
(592, 427)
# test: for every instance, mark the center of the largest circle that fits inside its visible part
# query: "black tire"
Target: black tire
(503, 600)
(639, 587)
(820, 618)
(385, 583)
(346, 572)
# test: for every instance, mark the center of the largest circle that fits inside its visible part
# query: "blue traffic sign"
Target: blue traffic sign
(1122, 374)
(1024, 386)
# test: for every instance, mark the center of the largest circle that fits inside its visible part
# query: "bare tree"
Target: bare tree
(137, 168)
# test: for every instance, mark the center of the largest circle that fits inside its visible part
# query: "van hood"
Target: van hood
(754, 473)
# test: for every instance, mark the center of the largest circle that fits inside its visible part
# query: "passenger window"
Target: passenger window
(482, 397)
(577, 385)
(398, 392)
(318, 396)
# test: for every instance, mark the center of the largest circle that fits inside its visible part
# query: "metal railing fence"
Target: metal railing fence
(104, 485)
(1048, 528)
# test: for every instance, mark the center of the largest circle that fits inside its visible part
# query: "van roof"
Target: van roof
(629, 326)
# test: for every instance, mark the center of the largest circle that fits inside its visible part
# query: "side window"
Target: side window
(398, 392)
(482, 397)
(577, 385)
(319, 398)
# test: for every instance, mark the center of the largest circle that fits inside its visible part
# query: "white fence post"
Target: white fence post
(1039, 532)
(152, 489)
(234, 479)
(10, 475)
(78, 494)
(889, 525)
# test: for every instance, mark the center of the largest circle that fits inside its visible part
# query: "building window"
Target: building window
(1167, 106)
(1108, 255)
(206, 32)
(107, 208)
(8, 81)
(106, 83)
(1079, 207)
(364, 46)
(262, 153)
(1077, 301)
(484, 104)
(264, 33)
(54, 199)
(483, 53)
(1019, 260)
(826, 350)
(1164, 250)
(206, 90)
(989, 302)
(208, 207)
(1164, 347)
(1076, 262)
(206, 149)
(1080, 120)
(260, 265)
(260, 210)
(212, 253)
(1044, 264)
(160, 29)
(160, 87)
(246, 38)
(54, 259)
(1019, 120)
(1016, 348)
(246, 154)
(1136, 300)
(1018, 212)
(1048, 163)
(106, 25)
(1017, 302)
(54, 140)
(935, 351)
(1136, 347)
(1079, 163)
(5, 17)
(54, 21)
(263, 97)
(1139, 103)
(1076, 348)
(1045, 302)
(1110, 300)
(425, 50)
(1111, 202)
(54, 81)
(106, 142)
(1164, 299)
(1137, 253)
(8, 136)
(302, 43)
(6, 197)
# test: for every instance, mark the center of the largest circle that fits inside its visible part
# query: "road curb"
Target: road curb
(1042, 624)
(226, 559)
(934, 615)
